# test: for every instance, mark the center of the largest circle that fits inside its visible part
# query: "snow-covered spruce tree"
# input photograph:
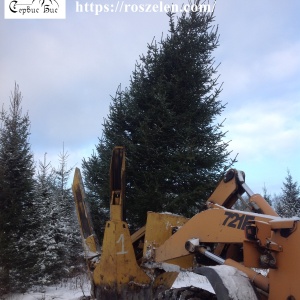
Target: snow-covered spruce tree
(289, 201)
(47, 269)
(18, 225)
(68, 234)
(59, 244)
(166, 119)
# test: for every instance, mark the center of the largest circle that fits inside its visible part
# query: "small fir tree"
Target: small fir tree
(59, 244)
(289, 201)
(50, 263)
(68, 234)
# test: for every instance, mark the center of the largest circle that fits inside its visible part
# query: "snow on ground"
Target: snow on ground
(73, 289)
(76, 288)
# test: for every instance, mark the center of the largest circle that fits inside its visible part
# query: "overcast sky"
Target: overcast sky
(67, 70)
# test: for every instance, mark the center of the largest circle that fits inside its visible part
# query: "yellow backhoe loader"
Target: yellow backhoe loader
(252, 254)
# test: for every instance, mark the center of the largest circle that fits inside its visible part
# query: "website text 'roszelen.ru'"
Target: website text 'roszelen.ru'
(122, 7)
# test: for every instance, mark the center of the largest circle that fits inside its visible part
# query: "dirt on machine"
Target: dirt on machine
(244, 254)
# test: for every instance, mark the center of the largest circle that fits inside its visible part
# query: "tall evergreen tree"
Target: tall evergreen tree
(289, 201)
(17, 211)
(166, 119)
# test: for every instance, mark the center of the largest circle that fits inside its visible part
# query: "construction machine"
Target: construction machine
(250, 254)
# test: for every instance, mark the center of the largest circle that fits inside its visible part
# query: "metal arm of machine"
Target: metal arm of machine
(117, 184)
(230, 189)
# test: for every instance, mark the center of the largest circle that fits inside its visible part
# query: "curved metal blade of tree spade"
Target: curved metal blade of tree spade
(90, 241)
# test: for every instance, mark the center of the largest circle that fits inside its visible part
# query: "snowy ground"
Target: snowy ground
(76, 288)
(72, 289)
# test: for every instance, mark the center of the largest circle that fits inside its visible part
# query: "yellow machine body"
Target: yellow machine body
(142, 265)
